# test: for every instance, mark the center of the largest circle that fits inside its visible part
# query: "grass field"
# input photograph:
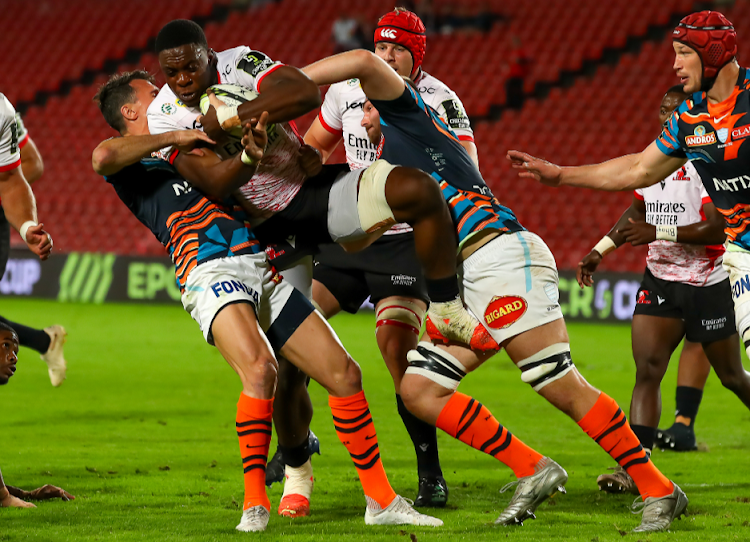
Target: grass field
(142, 432)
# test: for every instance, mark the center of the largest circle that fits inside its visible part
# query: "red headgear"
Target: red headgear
(405, 28)
(713, 38)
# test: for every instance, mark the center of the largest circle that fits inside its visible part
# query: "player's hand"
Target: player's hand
(39, 241)
(49, 492)
(535, 168)
(210, 121)
(587, 267)
(309, 160)
(638, 233)
(255, 137)
(187, 140)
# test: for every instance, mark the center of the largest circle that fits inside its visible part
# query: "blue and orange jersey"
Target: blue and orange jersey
(414, 135)
(193, 228)
(716, 139)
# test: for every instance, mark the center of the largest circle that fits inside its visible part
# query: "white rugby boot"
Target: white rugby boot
(295, 502)
(254, 519)
(53, 357)
(399, 512)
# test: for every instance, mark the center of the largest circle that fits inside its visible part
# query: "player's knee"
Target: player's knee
(734, 379)
(345, 376)
(650, 367)
(546, 366)
(435, 364)
(259, 370)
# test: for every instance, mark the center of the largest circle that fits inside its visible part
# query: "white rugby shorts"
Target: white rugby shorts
(737, 264)
(511, 285)
(218, 283)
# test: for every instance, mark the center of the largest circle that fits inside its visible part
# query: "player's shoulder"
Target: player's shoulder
(6, 108)
(228, 58)
(167, 106)
(433, 91)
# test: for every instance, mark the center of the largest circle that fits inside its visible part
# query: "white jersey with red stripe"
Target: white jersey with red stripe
(10, 150)
(678, 201)
(279, 176)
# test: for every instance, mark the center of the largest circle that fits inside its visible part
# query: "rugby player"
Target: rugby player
(710, 129)
(12, 496)
(241, 305)
(510, 278)
(685, 291)
(337, 205)
(388, 271)
(48, 341)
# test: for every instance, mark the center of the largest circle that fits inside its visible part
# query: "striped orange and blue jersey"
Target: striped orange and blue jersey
(716, 138)
(193, 228)
(414, 135)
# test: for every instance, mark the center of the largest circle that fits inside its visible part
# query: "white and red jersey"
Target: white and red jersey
(678, 201)
(10, 149)
(279, 177)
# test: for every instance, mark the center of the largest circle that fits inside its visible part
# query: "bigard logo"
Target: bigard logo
(504, 311)
(700, 138)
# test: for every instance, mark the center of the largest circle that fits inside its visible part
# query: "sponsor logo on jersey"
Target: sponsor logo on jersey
(722, 134)
(700, 138)
(714, 323)
(741, 133)
(730, 185)
(455, 114)
(403, 280)
(504, 311)
(353, 82)
(681, 175)
(388, 33)
(254, 63)
(168, 109)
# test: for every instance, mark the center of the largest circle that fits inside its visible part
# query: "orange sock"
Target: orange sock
(353, 423)
(607, 425)
(254, 432)
(470, 422)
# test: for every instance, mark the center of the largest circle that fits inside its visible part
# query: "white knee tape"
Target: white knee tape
(400, 313)
(436, 364)
(374, 212)
(546, 366)
(317, 308)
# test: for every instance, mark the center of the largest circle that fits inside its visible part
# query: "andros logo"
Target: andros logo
(504, 311)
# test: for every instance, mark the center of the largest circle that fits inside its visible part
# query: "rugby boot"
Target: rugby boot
(53, 357)
(678, 438)
(399, 512)
(450, 321)
(618, 481)
(531, 491)
(254, 519)
(433, 492)
(659, 512)
(295, 502)
(275, 467)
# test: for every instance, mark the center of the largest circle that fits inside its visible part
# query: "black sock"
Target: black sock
(424, 437)
(296, 456)
(688, 401)
(36, 339)
(646, 435)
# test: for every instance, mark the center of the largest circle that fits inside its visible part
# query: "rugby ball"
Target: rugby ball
(231, 95)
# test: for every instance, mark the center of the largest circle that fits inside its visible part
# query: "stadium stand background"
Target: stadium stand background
(598, 72)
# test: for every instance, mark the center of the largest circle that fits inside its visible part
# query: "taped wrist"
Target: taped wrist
(442, 290)
(546, 366)
(666, 233)
(435, 364)
(228, 117)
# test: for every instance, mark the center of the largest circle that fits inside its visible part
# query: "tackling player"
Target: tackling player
(510, 278)
(239, 302)
(712, 130)
(48, 341)
(685, 291)
(388, 271)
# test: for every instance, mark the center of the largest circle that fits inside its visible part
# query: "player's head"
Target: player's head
(8, 352)
(704, 43)
(186, 61)
(371, 122)
(400, 40)
(671, 101)
(124, 100)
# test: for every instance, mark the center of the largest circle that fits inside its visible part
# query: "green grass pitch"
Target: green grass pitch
(142, 432)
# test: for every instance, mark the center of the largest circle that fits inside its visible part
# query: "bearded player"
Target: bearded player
(685, 291)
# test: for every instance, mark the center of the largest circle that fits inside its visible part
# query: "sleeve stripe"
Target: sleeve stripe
(23, 141)
(263, 75)
(638, 196)
(705, 200)
(325, 125)
(173, 156)
(8, 167)
(466, 138)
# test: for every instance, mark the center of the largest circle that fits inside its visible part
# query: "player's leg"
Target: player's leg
(692, 374)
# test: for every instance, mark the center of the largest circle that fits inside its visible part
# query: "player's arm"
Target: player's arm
(286, 93)
(705, 232)
(624, 173)
(323, 140)
(20, 210)
(114, 154)
(378, 80)
(610, 242)
(471, 148)
(31, 161)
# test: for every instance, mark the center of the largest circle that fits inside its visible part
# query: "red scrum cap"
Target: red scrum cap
(713, 38)
(405, 28)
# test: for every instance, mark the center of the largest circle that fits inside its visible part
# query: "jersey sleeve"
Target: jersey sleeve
(638, 193)
(453, 112)
(159, 123)
(669, 139)
(251, 67)
(23, 133)
(330, 112)
(10, 154)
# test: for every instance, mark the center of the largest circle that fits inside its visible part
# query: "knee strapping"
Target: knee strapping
(438, 365)
(546, 366)
(372, 205)
(400, 313)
